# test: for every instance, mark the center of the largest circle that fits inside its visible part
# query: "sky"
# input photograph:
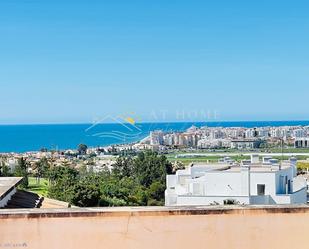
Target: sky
(77, 61)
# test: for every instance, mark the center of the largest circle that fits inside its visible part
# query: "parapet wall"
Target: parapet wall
(158, 228)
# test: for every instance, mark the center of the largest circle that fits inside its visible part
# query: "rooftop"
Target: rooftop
(254, 167)
(7, 183)
(261, 167)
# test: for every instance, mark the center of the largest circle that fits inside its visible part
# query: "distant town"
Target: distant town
(233, 137)
(291, 139)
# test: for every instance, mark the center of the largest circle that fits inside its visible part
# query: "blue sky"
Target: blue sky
(65, 61)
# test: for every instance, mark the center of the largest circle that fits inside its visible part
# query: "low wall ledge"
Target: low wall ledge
(149, 211)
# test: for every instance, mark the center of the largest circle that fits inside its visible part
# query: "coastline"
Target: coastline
(32, 137)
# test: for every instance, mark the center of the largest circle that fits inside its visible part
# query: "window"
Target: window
(261, 189)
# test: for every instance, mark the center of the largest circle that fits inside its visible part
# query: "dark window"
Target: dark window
(261, 189)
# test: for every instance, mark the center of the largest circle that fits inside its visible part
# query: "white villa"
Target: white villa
(251, 182)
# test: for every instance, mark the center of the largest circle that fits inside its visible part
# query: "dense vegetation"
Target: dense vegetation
(133, 181)
(303, 166)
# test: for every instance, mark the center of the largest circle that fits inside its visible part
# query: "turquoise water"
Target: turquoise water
(21, 138)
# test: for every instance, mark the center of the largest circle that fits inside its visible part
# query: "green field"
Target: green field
(214, 158)
(286, 150)
(38, 188)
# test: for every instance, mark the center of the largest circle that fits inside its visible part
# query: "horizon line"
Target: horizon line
(154, 122)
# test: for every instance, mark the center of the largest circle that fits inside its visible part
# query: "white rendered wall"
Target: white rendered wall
(217, 186)
(299, 197)
(281, 189)
(171, 181)
(223, 184)
(208, 200)
(263, 178)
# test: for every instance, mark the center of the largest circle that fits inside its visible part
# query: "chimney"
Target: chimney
(255, 159)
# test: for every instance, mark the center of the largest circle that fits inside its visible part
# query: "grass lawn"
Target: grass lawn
(288, 150)
(41, 188)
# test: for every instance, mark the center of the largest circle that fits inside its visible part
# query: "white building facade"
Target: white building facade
(250, 183)
(301, 142)
(245, 144)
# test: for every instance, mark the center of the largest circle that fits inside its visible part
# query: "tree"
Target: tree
(4, 169)
(150, 167)
(42, 168)
(123, 167)
(255, 133)
(156, 194)
(62, 182)
(82, 149)
(123, 192)
(21, 170)
(177, 166)
(132, 182)
(86, 193)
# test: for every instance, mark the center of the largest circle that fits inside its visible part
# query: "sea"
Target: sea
(24, 138)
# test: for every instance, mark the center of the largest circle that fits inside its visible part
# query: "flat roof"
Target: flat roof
(258, 167)
(261, 168)
(7, 184)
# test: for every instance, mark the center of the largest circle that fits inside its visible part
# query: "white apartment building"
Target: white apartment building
(216, 134)
(213, 143)
(263, 132)
(234, 132)
(301, 142)
(156, 138)
(275, 132)
(169, 139)
(298, 133)
(252, 182)
(245, 144)
(250, 133)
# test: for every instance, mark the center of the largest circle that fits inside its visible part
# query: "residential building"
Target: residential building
(301, 142)
(251, 182)
(298, 133)
(156, 138)
(245, 144)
